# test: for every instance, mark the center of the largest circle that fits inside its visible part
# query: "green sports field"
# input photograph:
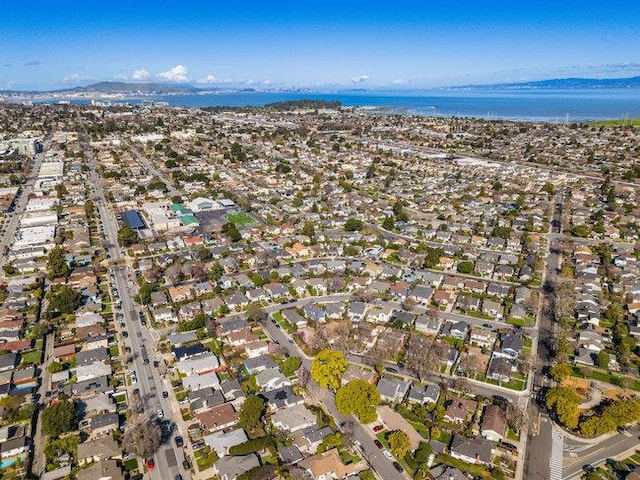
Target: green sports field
(241, 219)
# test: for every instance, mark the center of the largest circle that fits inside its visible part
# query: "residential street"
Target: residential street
(169, 457)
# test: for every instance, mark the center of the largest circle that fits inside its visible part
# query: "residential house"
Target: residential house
(494, 423)
(259, 364)
(229, 468)
(218, 417)
(423, 394)
(428, 324)
(458, 410)
(472, 450)
(102, 470)
(512, 344)
(392, 389)
(328, 465)
(221, 442)
(281, 398)
(294, 418)
(271, 379)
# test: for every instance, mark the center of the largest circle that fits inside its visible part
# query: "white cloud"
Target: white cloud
(176, 74)
(360, 78)
(142, 74)
(75, 77)
(211, 78)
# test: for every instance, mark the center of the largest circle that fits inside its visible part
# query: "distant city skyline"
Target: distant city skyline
(318, 44)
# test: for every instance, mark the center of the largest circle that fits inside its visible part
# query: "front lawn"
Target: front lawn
(32, 358)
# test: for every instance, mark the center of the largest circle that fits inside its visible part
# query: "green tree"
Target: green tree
(255, 313)
(603, 359)
(564, 401)
(309, 229)
(55, 367)
(145, 293)
(64, 301)
(561, 371)
(353, 224)
(290, 365)
(423, 452)
(618, 413)
(549, 188)
(432, 257)
(127, 236)
(327, 368)
(360, 398)
(251, 413)
(59, 418)
(501, 232)
(56, 265)
(388, 223)
(399, 443)
(215, 272)
(465, 267)
(204, 254)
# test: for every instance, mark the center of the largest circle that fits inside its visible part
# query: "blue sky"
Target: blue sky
(316, 44)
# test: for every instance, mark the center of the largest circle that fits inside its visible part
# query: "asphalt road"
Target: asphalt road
(371, 453)
(613, 447)
(538, 452)
(149, 379)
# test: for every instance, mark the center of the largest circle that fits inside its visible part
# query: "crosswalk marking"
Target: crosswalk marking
(555, 462)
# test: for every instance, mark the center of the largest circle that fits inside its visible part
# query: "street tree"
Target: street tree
(561, 371)
(141, 436)
(127, 236)
(360, 398)
(564, 401)
(255, 313)
(399, 443)
(327, 368)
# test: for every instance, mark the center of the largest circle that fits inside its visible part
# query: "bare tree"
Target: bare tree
(141, 436)
(531, 303)
(564, 299)
(303, 376)
(469, 364)
(424, 355)
(516, 417)
(461, 385)
(199, 272)
(335, 284)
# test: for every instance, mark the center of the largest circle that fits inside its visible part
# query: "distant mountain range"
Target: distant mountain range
(562, 83)
(150, 89)
(143, 88)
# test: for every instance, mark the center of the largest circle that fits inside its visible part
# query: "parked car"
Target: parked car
(150, 464)
(185, 464)
(398, 467)
(165, 394)
(378, 444)
(160, 413)
(179, 441)
(387, 454)
(378, 428)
